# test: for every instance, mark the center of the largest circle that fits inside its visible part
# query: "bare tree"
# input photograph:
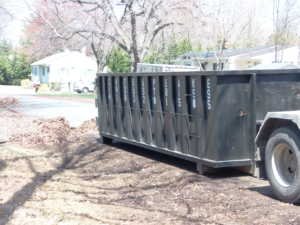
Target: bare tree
(228, 24)
(57, 25)
(285, 20)
(137, 25)
(5, 16)
(134, 24)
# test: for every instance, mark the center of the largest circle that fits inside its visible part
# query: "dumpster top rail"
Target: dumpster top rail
(207, 73)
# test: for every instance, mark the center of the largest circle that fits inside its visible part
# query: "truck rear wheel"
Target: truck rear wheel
(282, 160)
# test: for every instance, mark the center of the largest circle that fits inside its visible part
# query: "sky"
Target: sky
(21, 12)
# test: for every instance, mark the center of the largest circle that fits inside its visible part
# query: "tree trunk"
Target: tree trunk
(134, 64)
(99, 58)
(134, 48)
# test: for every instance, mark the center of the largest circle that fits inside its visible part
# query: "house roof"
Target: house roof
(206, 54)
(67, 58)
(234, 52)
(273, 66)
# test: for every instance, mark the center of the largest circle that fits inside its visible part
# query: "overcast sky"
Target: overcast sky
(21, 12)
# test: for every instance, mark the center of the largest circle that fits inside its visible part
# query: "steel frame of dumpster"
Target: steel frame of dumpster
(210, 118)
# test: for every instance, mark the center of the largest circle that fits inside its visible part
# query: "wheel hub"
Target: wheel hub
(284, 164)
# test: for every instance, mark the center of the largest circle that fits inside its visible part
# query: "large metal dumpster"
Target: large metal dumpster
(207, 117)
(216, 119)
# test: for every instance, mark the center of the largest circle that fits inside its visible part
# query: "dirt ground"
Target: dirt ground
(55, 175)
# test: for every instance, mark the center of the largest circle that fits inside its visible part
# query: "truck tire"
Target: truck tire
(282, 161)
(85, 90)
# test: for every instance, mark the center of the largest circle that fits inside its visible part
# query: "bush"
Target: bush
(14, 66)
(171, 52)
(119, 61)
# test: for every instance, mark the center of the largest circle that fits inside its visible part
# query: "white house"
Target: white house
(64, 70)
(285, 55)
(237, 59)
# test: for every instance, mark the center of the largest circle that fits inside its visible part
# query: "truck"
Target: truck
(84, 87)
(245, 119)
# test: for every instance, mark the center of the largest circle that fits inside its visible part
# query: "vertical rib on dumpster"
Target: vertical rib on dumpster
(182, 132)
(127, 119)
(157, 116)
(119, 108)
(169, 113)
(111, 108)
(146, 114)
(195, 111)
(136, 109)
(102, 107)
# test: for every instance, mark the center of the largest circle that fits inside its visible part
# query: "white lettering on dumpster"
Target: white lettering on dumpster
(166, 90)
(194, 93)
(208, 93)
(143, 91)
(154, 90)
(179, 103)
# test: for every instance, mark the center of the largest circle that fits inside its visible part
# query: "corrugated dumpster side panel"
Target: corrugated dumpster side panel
(181, 115)
(166, 112)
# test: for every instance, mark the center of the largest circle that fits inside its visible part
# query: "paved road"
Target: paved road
(75, 112)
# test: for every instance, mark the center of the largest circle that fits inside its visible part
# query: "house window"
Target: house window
(35, 70)
(43, 71)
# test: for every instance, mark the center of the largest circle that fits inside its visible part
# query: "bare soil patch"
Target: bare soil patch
(76, 180)
(44, 133)
(7, 101)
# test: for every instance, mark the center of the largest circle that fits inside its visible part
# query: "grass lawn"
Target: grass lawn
(68, 95)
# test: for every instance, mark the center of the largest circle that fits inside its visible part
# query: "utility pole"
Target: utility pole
(276, 5)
